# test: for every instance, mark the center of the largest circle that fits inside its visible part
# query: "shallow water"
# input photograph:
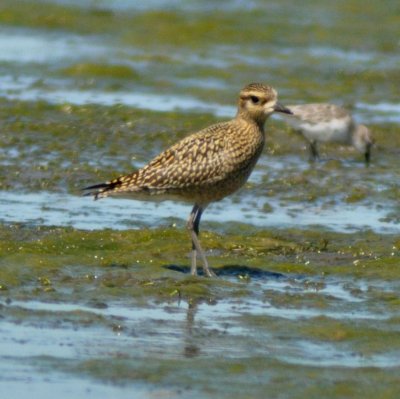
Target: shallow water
(236, 331)
(51, 209)
(95, 297)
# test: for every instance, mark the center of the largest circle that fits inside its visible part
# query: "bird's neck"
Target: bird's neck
(255, 120)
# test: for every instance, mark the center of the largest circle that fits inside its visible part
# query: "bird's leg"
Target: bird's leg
(314, 156)
(193, 267)
(367, 154)
(190, 227)
(193, 227)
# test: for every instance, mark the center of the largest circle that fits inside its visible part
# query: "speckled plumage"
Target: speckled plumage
(329, 123)
(205, 166)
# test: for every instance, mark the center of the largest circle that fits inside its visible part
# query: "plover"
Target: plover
(328, 123)
(205, 166)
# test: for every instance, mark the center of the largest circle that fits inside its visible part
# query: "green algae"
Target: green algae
(149, 262)
(100, 268)
(167, 40)
(101, 70)
(249, 377)
(176, 28)
(52, 16)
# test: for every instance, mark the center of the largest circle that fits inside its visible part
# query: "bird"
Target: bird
(205, 166)
(329, 123)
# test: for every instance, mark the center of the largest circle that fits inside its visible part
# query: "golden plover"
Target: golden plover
(328, 123)
(205, 166)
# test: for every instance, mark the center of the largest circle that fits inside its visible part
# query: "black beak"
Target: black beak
(281, 108)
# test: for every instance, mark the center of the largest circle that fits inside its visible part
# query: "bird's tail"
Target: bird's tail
(118, 185)
(100, 190)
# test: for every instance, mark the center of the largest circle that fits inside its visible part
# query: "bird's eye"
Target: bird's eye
(254, 99)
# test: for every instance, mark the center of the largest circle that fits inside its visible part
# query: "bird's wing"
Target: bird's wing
(200, 158)
(317, 112)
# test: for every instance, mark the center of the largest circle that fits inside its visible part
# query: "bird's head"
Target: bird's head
(257, 101)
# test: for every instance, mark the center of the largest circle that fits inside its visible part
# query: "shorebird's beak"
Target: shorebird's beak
(281, 108)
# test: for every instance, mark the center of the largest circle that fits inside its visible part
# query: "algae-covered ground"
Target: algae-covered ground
(96, 299)
(290, 311)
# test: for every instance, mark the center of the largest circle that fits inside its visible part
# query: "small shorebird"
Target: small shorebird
(328, 123)
(205, 166)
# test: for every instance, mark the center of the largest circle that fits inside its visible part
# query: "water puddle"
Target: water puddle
(250, 326)
(59, 92)
(23, 88)
(52, 209)
(26, 46)
(177, 5)
(43, 384)
(382, 112)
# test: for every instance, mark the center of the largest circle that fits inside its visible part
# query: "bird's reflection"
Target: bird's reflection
(191, 348)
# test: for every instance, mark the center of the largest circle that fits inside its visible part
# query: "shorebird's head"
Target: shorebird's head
(257, 101)
(363, 141)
